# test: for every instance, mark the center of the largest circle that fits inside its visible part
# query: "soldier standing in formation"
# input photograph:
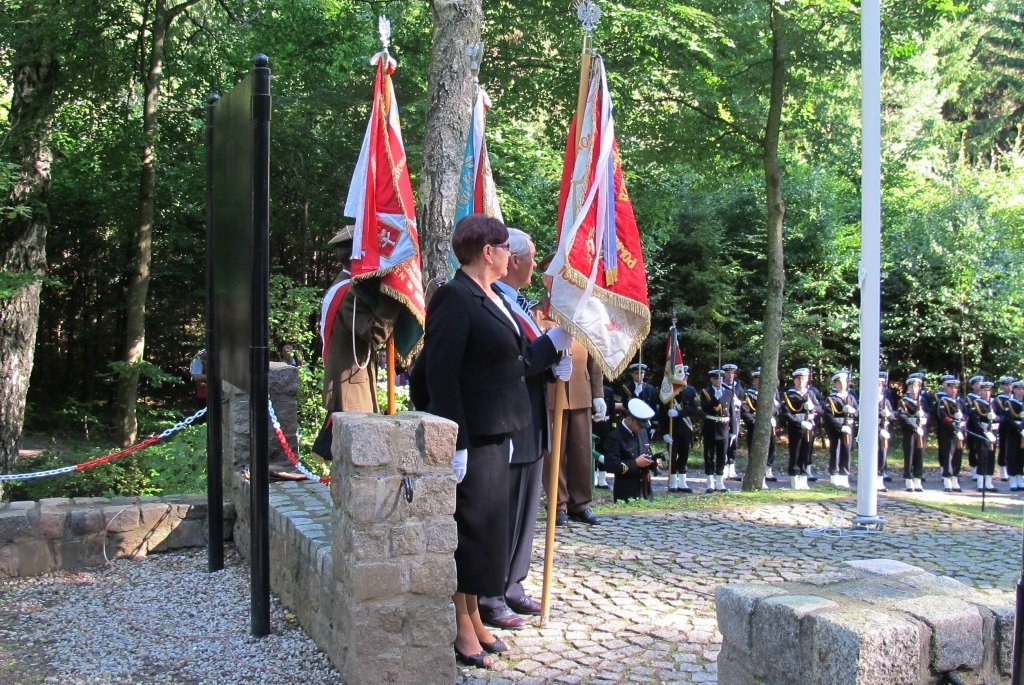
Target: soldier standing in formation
(982, 423)
(1013, 430)
(716, 403)
(748, 411)
(974, 442)
(885, 416)
(950, 429)
(729, 381)
(840, 418)
(637, 387)
(682, 411)
(999, 404)
(912, 415)
(800, 409)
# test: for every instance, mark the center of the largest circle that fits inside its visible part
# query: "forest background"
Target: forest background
(124, 163)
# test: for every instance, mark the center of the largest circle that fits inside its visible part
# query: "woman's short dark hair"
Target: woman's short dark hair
(473, 232)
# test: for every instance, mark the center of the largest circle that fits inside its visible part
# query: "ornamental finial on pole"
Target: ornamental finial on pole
(384, 28)
(589, 14)
(475, 55)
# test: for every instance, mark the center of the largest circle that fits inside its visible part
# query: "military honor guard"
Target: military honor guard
(840, 418)
(729, 381)
(999, 403)
(914, 419)
(1013, 430)
(628, 453)
(748, 411)
(716, 403)
(974, 443)
(639, 388)
(682, 411)
(982, 424)
(885, 417)
(800, 408)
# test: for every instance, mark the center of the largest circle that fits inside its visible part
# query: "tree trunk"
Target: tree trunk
(137, 288)
(23, 240)
(450, 94)
(758, 456)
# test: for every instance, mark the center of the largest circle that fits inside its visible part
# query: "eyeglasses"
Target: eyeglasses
(503, 245)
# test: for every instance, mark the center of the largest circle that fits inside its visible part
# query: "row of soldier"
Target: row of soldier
(987, 424)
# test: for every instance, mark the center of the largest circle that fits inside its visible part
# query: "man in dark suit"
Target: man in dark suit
(528, 443)
(628, 453)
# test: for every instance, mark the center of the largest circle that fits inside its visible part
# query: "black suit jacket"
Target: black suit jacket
(475, 363)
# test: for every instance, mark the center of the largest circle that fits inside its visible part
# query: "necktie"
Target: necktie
(523, 302)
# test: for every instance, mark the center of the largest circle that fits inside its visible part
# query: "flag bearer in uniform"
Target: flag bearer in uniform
(716, 403)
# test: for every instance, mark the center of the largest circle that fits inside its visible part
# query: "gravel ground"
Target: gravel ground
(159, 620)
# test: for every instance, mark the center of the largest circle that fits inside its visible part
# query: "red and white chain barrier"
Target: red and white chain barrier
(288, 449)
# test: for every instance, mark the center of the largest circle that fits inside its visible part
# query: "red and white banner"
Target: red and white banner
(385, 244)
(674, 379)
(599, 284)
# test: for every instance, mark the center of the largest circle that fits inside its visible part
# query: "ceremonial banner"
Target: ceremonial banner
(599, 284)
(477, 194)
(675, 373)
(386, 245)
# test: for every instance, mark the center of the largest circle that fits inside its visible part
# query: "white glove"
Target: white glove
(884, 434)
(667, 438)
(886, 413)
(923, 421)
(563, 369)
(848, 409)
(990, 436)
(960, 436)
(807, 425)
(920, 431)
(600, 409)
(732, 436)
(808, 405)
(846, 430)
(991, 416)
(673, 413)
(774, 422)
(560, 338)
(460, 463)
(959, 416)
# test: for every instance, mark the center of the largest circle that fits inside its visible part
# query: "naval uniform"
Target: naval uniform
(716, 403)
(840, 412)
(682, 426)
(798, 407)
(748, 410)
(622, 447)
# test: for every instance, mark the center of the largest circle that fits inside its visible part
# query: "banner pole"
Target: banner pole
(391, 375)
(561, 388)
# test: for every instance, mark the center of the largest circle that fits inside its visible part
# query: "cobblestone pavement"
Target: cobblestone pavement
(633, 597)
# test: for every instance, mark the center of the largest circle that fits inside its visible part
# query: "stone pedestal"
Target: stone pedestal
(862, 623)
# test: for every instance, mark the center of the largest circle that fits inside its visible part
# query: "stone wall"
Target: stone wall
(862, 623)
(62, 533)
(368, 573)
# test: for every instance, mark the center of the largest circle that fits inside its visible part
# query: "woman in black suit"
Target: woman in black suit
(475, 362)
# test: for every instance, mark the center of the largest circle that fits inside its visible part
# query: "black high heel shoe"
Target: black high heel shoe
(474, 660)
(496, 647)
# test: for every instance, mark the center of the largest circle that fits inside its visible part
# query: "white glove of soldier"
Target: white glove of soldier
(667, 438)
(563, 369)
(774, 422)
(807, 425)
(990, 436)
(560, 338)
(600, 409)
(920, 431)
(991, 416)
(808, 404)
(923, 421)
(884, 434)
(460, 464)
(673, 413)
(848, 409)
(846, 430)
(886, 413)
(959, 416)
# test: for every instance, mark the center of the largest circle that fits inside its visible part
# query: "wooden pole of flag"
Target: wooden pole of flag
(588, 13)
(391, 375)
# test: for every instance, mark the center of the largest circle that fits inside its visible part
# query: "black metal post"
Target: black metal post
(259, 359)
(214, 446)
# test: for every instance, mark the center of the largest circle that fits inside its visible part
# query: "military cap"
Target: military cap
(756, 373)
(729, 367)
(716, 372)
(950, 379)
(802, 371)
(1006, 380)
(1018, 384)
(975, 379)
(918, 375)
(346, 234)
(913, 380)
(639, 409)
(987, 384)
(841, 372)
(638, 367)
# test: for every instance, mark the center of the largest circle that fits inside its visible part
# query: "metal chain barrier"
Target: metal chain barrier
(288, 449)
(153, 439)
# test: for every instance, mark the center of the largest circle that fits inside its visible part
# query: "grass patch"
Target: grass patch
(664, 502)
(998, 511)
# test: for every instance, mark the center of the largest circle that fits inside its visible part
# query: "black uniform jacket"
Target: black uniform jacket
(475, 362)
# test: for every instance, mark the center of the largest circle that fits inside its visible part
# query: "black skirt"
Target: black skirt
(481, 516)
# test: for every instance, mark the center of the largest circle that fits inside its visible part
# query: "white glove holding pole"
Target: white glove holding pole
(460, 464)
(807, 425)
(884, 434)
(600, 409)
(560, 338)
(563, 369)
(673, 413)
(667, 438)
(920, 431)
(846, 430)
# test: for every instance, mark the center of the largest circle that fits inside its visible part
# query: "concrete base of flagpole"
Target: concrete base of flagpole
(869, 522)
